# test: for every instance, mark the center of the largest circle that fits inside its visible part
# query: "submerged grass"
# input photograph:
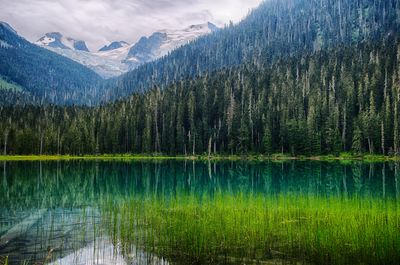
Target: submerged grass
(238, 228)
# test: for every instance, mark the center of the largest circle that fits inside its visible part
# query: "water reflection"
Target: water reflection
(49, 211)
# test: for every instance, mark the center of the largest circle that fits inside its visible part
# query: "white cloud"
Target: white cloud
(99, 22)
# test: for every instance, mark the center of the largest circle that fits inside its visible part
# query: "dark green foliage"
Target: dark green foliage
(45, 76)
(298, 77)
(306, 105)
(275, 30)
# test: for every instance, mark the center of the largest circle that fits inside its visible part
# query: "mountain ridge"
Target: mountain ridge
(57, 40)
(113, 45)
(119, 57)
(44, 76)
(277, 29)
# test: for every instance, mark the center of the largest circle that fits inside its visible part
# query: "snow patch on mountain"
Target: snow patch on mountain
(57, 40)
(162, 42)
(120, 57)
(114, 45)
(105, 66)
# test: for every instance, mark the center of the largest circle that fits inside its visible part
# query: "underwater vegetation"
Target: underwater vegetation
(239, 228)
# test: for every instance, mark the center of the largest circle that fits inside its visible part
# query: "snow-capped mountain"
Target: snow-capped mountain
(57, 40)
(76, 50)
(102, 63)
(162, 42)
(41, 75)
(119, 57)
(114, 45)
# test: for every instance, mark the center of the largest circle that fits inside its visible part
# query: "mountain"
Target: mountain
(43, 75)
(114, 45)
(162, 42)
(104, 65)
(7, 27)
(302, 77)
(57, 40)
(120, 57)
(276, 30)
(345, 99)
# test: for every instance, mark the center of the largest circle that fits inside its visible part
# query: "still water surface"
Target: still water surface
(50, 212)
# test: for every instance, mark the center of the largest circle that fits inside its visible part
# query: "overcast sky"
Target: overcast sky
(99, 22)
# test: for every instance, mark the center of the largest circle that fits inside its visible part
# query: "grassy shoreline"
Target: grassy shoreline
(344, 157)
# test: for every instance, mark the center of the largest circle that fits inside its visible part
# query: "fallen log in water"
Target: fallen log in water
(21, 228)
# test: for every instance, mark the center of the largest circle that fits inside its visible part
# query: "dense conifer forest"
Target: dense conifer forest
(275, 140)
(277, 29)
(336, 100)
(297, 77)
(41, 75)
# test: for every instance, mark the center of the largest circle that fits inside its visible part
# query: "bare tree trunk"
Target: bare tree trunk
(189, 140)
(209, 146)
(344, 129)
(5, 141)
(383, 138)
(215, 146)
(156, 125)
(370, 146)
(194, 145)
(127, 139)
(41, 143)
(58, 141)
(340, 20)
(97, 145)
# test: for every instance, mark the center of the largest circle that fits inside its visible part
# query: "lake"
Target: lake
(186, 212)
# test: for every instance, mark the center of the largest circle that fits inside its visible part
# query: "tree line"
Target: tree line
(276, 29)
(338, 100)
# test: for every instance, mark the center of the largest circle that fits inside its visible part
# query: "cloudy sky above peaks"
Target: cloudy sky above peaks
(99, 22)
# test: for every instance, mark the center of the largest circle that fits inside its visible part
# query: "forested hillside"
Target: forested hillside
(344, 99)
(275, 30)
(296, 76)
(42, 75)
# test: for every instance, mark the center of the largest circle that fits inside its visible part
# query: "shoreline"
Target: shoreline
(255, 158)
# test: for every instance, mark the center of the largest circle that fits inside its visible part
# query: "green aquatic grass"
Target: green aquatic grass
(228, 228)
